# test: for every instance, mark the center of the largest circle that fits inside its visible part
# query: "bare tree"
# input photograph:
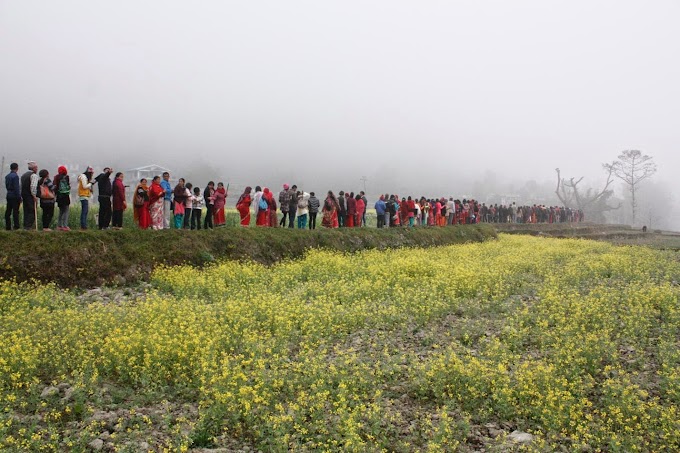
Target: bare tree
(632, 167)
(592, 202)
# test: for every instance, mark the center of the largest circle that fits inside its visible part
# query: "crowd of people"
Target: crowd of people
(158, 205)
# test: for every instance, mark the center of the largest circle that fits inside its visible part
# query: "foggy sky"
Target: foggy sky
(427, 95)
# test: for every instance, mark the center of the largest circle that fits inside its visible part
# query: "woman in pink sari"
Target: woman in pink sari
(156, 196)
(330, 211)
(243, 206)
(360, 209)
(219, 200)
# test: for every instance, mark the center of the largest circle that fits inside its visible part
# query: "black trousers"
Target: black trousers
(341, 220)
(104, 212)
(12, 213)
(282, 222)
(29, 214)
(196, 219)
(291, 218)
(312, 220)
(117, 219)
(208, 222)
(187, 218)
(381, 220)
(47, 215)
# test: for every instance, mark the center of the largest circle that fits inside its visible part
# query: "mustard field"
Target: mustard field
(574, 344)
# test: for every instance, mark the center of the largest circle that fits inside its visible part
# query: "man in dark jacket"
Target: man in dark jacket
(313, 205)
(292, 206)
(342, 212)
(284, 204)
(105, 192)
(13, 187)
(29, 195)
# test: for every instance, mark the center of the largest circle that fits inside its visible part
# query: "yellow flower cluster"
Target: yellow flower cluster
(573, 341)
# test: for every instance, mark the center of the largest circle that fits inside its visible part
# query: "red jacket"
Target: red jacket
(118, 195)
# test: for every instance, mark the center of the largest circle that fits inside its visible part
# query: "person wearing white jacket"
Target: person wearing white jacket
(302, 210)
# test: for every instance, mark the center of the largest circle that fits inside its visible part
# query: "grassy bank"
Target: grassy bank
(92, 258)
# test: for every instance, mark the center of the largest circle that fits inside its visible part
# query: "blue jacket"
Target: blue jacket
(167, 188)
(12, 185)
(380, 207)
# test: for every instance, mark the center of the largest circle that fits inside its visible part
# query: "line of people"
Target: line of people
(36, 188)
(160, 206)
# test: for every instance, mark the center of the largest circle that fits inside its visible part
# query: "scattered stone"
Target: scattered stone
(96, 444)
(520, 437)
(493, 432)
(68, 395)
(144, 446)
(105, 435)
(63, 386)
(49, 391)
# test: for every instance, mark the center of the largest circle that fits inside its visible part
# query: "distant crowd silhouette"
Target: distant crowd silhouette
(158, 205)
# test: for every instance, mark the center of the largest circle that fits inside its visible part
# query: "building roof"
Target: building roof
(152, 167)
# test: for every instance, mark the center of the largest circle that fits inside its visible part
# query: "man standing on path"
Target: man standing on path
(85, 183)
(284, 204)
(292, 206)
(104, 198)
(380, 208)
(29, 190)
(13, 187)
(314, 205)
(451, 210)
(167, 200)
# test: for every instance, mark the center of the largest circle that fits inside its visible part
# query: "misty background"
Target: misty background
(481, 99)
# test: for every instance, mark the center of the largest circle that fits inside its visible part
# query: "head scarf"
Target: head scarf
(245, 194)
(62, 170)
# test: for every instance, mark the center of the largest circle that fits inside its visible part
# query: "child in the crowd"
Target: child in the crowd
(197, 202)
(188, 206)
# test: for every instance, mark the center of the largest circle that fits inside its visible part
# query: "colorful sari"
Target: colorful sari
(273, 217)
(156, 195)
(220, 200)
(243, 207)
(141, 213)
(330, 213)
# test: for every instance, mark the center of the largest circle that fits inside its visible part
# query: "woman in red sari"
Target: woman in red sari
(156, 196)
(219, 200)
(141, 204)
(403, 212)
(351, 209)
(262, 218)
(330, 211)
(243, 206)
(273, 217)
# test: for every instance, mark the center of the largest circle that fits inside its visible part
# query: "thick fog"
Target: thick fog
(422, 98)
